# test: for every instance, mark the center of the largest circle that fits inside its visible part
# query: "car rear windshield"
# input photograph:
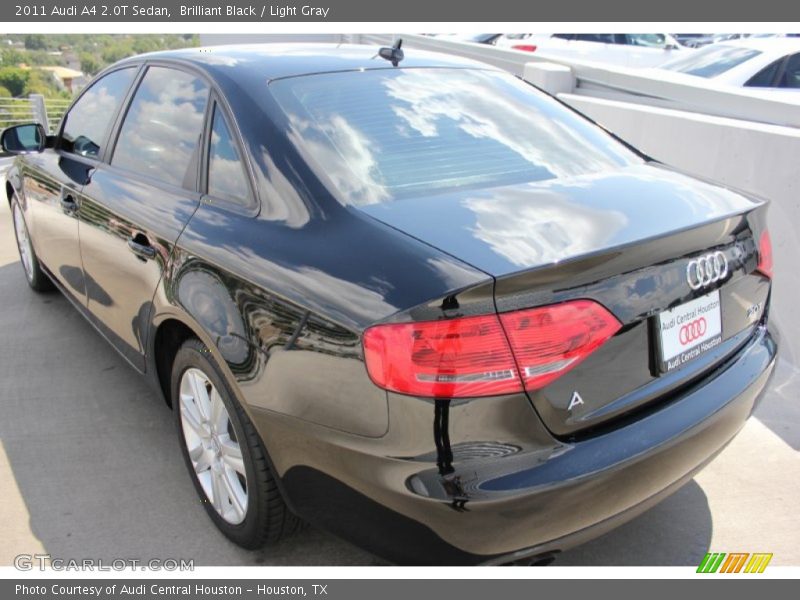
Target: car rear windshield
(384, 134)
(711, 61)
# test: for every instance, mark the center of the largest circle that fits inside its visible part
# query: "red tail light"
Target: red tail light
(525, 47)
(471, 356)
(442, 359)
(551, 340)
(765, 255)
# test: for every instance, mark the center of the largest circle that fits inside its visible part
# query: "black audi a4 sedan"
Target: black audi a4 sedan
(416, 302)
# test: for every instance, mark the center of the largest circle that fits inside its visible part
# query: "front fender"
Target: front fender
(14, 182)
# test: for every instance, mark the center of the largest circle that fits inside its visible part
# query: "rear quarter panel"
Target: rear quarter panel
(283, 308)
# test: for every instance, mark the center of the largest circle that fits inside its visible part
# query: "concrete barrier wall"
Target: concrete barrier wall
(646, 86)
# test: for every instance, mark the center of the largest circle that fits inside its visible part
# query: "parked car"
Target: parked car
(773, 35)
(410, 299)
(622, 49)
(772, 63)
(694, 40)
(476, 38)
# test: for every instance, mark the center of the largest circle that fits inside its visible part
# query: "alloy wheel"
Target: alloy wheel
(212, 446)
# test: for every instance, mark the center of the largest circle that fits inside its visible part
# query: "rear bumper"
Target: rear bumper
(537, 499)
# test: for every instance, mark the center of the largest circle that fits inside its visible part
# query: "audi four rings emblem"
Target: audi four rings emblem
(693, 331)
(707, 269)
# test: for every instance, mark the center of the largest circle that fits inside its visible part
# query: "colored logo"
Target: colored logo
(734, 562)
(693, 331)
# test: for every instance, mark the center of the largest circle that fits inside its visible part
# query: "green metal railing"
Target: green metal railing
(55, 109)
(34, 108)
(15, 111)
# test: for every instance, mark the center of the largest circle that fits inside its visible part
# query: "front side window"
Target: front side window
(160, 136)
(387, 134)
(711, 61)
(598, 38)
(647, 40)
(88, 122)
(226, 175)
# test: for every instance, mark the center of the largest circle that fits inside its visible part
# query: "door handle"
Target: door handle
(68, 203)
(140, 246)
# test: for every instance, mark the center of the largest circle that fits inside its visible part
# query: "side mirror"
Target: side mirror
(23, 139)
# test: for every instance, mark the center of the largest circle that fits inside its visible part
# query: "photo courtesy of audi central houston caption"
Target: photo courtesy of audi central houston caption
(402, 296)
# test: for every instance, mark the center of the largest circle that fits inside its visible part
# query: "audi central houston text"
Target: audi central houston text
(155, 589)
(402, 296)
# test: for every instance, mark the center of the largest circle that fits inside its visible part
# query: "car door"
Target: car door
(138, 202)
(598, 47)
(53, 179)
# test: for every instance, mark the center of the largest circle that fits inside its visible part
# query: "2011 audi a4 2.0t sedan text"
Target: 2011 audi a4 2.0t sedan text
(409, 299)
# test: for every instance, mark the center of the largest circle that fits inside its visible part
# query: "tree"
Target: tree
(35, 42)
(39, 82)
(5, 92)
(145, 43)
(40, 57)
(89, 63)
(14, 79)
(12, 57)
(44, 83)
(117, 51)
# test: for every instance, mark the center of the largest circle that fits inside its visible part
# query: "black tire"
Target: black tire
(35, 276)
(267, 518)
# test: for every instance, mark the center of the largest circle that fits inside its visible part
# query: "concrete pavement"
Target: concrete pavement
(90, 465)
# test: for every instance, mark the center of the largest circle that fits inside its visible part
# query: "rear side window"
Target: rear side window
(88, 122)
(712, 61)
(791, 74)
(386, 134)
(766, 76)
(226, 175)
(160, 136)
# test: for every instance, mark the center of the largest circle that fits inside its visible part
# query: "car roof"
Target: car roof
(274, 61)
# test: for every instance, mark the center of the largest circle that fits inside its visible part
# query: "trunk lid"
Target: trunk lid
(513, 228)
(625, 239)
